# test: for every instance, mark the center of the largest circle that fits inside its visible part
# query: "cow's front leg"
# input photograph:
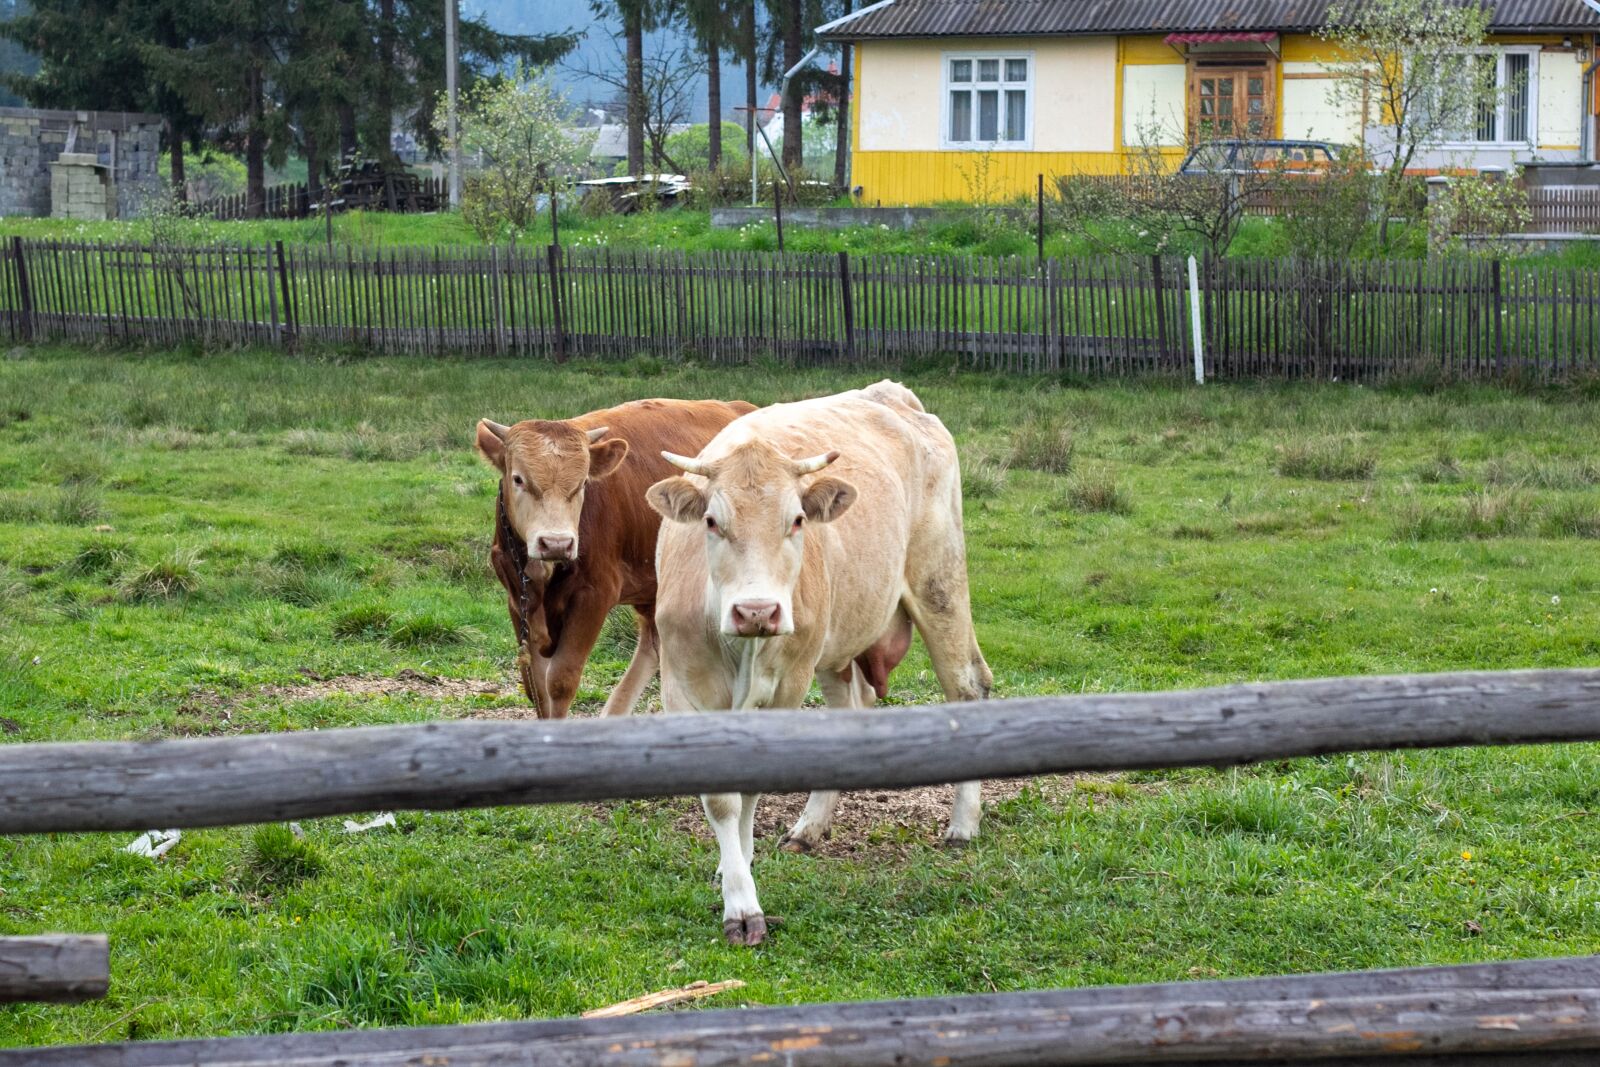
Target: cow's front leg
(742, 921)
(585, 616)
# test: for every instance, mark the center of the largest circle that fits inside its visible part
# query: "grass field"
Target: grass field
(248, 542)
(964, 232)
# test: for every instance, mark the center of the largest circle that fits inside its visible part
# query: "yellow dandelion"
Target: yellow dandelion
(1466, 854)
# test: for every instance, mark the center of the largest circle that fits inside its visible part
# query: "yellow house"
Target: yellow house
(968, 99)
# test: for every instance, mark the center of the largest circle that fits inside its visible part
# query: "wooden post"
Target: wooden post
(24, 288)
(499, 308)
(1499, 325)
(1161, 310)
(553, 257)
(288, 298)
(847, 301)
(274, 326)
(555, 217)
(60, 968)
(777, 211)
(1039, 221)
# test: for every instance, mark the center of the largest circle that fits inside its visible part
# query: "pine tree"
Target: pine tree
(714, 27)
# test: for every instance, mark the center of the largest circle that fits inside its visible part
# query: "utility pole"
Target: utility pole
(452, 127)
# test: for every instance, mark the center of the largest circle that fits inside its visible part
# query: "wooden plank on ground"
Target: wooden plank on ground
(663, 998)
(59, 968)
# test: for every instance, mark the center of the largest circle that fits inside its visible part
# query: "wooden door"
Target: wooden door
(1230, 98)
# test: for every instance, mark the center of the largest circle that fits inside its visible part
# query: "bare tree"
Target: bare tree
(1145, 209)
(666, 86)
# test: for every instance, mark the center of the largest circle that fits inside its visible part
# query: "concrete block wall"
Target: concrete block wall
(126, 144)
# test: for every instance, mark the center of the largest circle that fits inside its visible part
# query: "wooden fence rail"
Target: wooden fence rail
(292, 200)
(1522, 1014)
(101, 785)
(1281, 318)
(1544, 1013)
(54, 967)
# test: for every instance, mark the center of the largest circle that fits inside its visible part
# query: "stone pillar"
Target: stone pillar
(80, 188)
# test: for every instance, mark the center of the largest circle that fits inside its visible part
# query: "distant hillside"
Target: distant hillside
(556, 16)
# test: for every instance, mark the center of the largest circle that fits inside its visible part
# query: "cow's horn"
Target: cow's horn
(497, 429)
(597, 433)
(684, 463)
(815, 463)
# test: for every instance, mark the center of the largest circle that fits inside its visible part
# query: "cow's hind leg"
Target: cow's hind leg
(641, 668)
(938, 602)
(742, 921)
(812, 827)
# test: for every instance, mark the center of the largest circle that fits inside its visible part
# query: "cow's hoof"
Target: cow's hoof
(748, 932)
(956, 844)
(794, 844)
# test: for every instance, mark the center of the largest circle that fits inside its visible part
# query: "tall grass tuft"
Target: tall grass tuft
(1097, 491)
(175, 575)
(1328, 459)
(276, 858)
(1043, 445)
(983, 476)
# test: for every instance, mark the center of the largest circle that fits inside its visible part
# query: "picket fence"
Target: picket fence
(1278, 318)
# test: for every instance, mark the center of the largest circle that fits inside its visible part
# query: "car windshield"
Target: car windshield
(1213, 156)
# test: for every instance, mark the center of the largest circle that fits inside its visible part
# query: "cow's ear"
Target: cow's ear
(492, 443)
(827, 498)
(677, 499)
(605, 457)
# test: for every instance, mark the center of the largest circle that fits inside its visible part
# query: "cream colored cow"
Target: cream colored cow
(803, 542)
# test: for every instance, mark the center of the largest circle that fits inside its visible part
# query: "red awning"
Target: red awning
(1220, 38)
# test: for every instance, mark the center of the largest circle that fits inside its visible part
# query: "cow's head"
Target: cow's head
(544, 468)
(754, 505)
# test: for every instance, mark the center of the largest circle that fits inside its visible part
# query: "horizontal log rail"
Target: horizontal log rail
(1519, 1014)
(54, 967)
(449, 765)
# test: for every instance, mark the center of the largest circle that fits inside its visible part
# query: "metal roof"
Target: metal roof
(1028, 18)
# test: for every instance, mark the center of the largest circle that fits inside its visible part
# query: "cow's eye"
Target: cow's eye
(799, 521)
(711, 524)
(516, 480)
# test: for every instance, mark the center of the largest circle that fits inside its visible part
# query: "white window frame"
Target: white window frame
(946, 86)
(1500, 52)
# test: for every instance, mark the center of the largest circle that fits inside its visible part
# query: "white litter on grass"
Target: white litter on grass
(153, 843)
(353, 827)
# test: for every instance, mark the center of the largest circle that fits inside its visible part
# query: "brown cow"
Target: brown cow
(574, 537)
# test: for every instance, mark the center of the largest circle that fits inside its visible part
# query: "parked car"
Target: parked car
(1254, 157)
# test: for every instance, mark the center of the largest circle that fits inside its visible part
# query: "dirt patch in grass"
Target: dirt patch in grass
(406, 682)
(871, 821)
(211, 712)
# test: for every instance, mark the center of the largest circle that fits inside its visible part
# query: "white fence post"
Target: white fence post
(1194, 316)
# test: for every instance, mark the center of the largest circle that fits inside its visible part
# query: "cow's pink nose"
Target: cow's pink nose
(756, 618)
(553, 547)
